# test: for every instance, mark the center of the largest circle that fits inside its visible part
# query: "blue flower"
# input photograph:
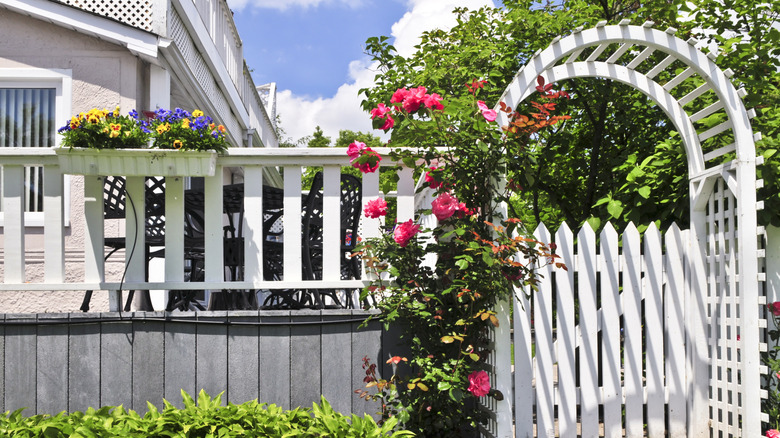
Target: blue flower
(134, 114)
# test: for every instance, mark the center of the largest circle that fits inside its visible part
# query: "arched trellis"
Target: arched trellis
(630, 55)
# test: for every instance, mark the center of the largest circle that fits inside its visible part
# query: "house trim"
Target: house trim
(138, 42)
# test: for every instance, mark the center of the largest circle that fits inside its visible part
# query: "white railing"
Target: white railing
(255, 164)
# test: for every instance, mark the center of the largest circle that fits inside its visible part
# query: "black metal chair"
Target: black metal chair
(114, 206)
(311, 251)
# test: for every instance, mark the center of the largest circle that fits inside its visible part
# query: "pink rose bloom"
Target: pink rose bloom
(389, 123)
(479, 383)
(414, 99)
(399, 95)
(772, 433)
(487, 113)
(404, 232)
(354, 149)
(367, 161)
(380, 111)
(444, 206)
(375, 208)
(430, 179)
(433, 101)
(774, 308)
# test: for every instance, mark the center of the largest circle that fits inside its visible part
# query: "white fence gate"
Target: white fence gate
(645, 341)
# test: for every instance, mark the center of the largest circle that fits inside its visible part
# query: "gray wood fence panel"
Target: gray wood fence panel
(180, 363)
(211, 356)
(148, 366)
(93, 360)
(366, 342)
(84, 365)
(52, 370)
(116, 362)
(305, 353)
(274, 355)
(337, 345)
(20, 364)
(242, 358)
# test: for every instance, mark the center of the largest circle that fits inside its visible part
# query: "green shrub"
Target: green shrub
(206, 419)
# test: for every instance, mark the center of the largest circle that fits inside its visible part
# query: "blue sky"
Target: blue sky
(313, 50)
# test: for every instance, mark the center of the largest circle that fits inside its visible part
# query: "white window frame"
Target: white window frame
(62, 82)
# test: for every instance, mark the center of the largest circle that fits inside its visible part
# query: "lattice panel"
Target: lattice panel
(723, 313)
(203, 76)
(136, 13)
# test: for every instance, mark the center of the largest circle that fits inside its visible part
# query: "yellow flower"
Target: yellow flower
(197, 113)
(74, 122)
(116, 111)
(185, 123)
(115, 126)
(163, 128)
(177, 144)
(114, 134)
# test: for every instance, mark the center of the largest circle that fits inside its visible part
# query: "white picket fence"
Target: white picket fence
(601, 347)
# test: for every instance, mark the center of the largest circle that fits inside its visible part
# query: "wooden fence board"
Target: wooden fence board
(632, 332)
(543, 329)
(84, 366)
(20, 364)
(567, 382)
(654, 333)
(274, 354)
(610, 334)
(588, 352)
(242, 357)
(675, 341)
(52, 370)
(148, 365)
(116, 362)
(336, 345)
(211, 355)
(365, 342)
(180, 361)
(305, 353)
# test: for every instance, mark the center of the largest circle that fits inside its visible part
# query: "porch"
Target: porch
(66, 255)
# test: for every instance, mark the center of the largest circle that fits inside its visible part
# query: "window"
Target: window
(32, 102)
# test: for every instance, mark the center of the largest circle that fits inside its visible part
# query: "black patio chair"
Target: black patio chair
(311, 251)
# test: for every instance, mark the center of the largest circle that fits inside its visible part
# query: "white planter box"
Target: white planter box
(136, 162)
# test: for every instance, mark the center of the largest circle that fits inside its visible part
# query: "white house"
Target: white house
(59, 58)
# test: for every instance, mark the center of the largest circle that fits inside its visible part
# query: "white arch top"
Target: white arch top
(548, 64)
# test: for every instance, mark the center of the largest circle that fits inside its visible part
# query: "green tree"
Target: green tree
(618, 157)
(318, 139)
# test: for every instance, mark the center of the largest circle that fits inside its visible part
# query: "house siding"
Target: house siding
(104, 75)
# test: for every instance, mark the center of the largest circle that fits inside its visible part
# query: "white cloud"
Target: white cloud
(239, 5)
(300, 115)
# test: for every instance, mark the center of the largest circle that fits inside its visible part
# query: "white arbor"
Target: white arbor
(719, 304)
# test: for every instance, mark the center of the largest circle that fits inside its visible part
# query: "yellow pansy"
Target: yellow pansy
(197, 113)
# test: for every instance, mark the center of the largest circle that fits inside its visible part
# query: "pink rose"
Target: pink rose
(430, 179)
(354, 149)
(433, 101)
(479, 383)
(404, 232)
(487, 113)
(363, 157)
(389, 123)
(414, 99)
(772, 433)
(774, 308)
(399, 95)
(444, 206)
(380, 111)
(375, 208)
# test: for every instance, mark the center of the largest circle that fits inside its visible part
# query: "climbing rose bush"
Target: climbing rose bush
(439, 284)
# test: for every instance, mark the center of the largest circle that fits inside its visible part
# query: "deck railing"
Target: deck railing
(255, 165)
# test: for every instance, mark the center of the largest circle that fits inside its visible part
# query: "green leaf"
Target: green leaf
(644, 191)
(615, 208)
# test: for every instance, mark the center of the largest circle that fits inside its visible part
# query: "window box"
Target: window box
(136, 162)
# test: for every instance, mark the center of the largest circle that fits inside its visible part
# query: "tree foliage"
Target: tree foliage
(618, 158)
